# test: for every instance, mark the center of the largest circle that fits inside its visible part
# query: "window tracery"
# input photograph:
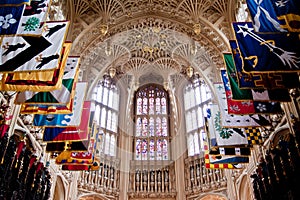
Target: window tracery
(106, 98)
(197, 96)
(152, 124)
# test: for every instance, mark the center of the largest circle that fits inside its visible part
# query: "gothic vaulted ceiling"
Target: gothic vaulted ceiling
(150, 37)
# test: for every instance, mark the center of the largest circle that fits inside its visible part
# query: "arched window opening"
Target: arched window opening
(152, 124)
(197, 96)
(106, 98)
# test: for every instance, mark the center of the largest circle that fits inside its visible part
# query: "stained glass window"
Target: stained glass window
(145, 105)
(151, 126)
(151, 106)
(152, 123)
(163, 106)
(159, 151)
(139, 102)
(164, 126)
(197, 96)
(145, 127)
(165, 149)
(158, 126)
(144, 148)
(138, 128)
(106, 98)
(138, 149)
(152, 149)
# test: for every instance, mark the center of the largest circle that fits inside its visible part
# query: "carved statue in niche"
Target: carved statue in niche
(158, 176)
(100, 170)
(152, 176)
(105, 171)
(166, 175)
(192, 172)
(137, 180)
(145, 176)
(112, 173)
(166, 179)
(145, 180)
(198, 170)
(152, 180)
(137, 176)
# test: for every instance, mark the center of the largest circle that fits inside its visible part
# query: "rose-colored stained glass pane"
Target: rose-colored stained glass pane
(139, 106)
(138, 149)
(158, 126)
(151, 126)
(152, 150)
(145, 127)
(138, 126)
(144, 150)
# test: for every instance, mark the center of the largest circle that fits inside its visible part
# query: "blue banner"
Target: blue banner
(270, 80)
(10, 17)
(288, 12)
(267, 52)
(263, 16)
(13, 2)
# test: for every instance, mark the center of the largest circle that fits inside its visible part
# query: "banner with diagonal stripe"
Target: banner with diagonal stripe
(28, 53)
(60, 96)
(37, 80)
(264, 16)
(288, 13)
